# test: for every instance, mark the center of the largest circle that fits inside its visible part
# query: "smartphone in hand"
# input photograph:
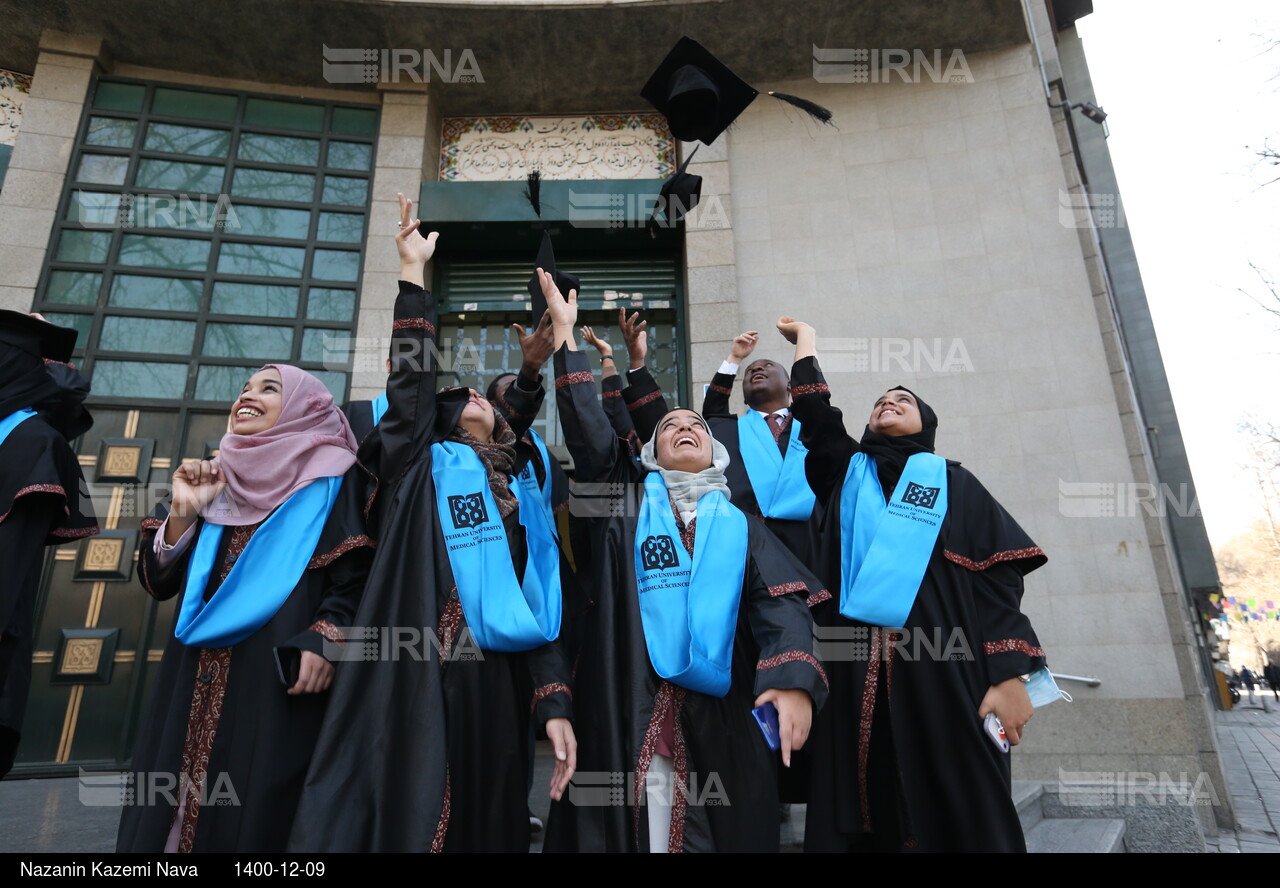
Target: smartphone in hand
(766, 717)
(994, 729)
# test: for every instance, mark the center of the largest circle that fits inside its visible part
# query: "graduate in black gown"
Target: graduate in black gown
(747, 606)
(266, 550)
(41, 501)
(424, 746)
(899, 756)
(788, 508)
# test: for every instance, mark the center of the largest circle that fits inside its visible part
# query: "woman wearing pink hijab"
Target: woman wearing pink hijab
(265, 549)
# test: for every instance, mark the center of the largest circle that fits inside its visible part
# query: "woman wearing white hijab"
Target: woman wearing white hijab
(700, 617)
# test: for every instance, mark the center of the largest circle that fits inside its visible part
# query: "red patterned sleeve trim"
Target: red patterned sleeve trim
(414, 324)
(612, 393)
(1012, 645)
(353, 542)
(35, 488)
(373, 494)
(794, 657)
(547, 690)
(723, 390)
(818, 597)
(787, 589)
(1009, 555)
(571, 378)
(813, 388)
(60, 363)
(329, 631)
(75, 533)
(151, 523)
(645, 399)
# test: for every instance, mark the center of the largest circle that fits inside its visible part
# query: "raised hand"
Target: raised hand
(743, 346)
(600, 345)
(801, 335)
(633, 333)
(537, 346)
(563, 310)
(195, 485)
(414, 249)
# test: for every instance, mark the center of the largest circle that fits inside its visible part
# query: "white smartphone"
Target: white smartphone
(995, 730)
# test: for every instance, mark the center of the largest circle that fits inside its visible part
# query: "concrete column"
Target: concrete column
(38, 167)
(408, 151)
(711, 287)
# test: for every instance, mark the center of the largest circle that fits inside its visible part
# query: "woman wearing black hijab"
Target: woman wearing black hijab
(924, 629)
(40, 485)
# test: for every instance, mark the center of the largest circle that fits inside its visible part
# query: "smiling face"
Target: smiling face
(683, 442)
(766, 382)
(896, 413)
(258, 407)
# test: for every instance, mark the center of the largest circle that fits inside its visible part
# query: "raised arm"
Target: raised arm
(611, 384)
(822, 428)
(406, 429)
(587, 432)
(525, 395)
(716, 400)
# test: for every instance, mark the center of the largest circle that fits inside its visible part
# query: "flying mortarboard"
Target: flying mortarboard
(700, 96)
(679, 195)
(547, 262)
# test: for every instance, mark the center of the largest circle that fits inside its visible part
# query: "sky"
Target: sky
(1191, 93)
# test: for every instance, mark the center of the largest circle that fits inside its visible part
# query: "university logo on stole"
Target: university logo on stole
(468, 510)
(919, 495)
(658, 553)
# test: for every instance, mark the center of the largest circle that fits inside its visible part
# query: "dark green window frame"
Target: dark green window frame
(89, 354)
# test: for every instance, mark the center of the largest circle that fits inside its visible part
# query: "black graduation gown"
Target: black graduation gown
(900, 760)
(425, 749)
(797, 536)
(621, 700)
(43, 502)
(230, 704)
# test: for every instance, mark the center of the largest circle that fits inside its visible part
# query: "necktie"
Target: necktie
(775, 425)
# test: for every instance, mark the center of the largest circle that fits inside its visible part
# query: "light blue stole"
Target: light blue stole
(885, 547)
(264, 575)
(13, 420)
(780, 486)
(379, 407)
(528, 480)
(503, 615)
(689, 611)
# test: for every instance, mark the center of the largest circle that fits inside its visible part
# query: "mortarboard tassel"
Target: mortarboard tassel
(813, 109)
(533, 191)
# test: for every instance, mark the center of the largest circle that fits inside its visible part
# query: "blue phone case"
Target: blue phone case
(767, 718)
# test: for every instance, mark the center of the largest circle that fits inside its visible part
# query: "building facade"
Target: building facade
(199, 208)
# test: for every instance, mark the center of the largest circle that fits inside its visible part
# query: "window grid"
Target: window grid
(219, 243)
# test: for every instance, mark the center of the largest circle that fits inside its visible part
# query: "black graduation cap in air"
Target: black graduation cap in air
(700, 96)
(37, 337)
(547, 262)
(679, 195)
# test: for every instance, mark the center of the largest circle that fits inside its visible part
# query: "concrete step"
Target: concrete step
(1069, 835)
(1027, 795)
